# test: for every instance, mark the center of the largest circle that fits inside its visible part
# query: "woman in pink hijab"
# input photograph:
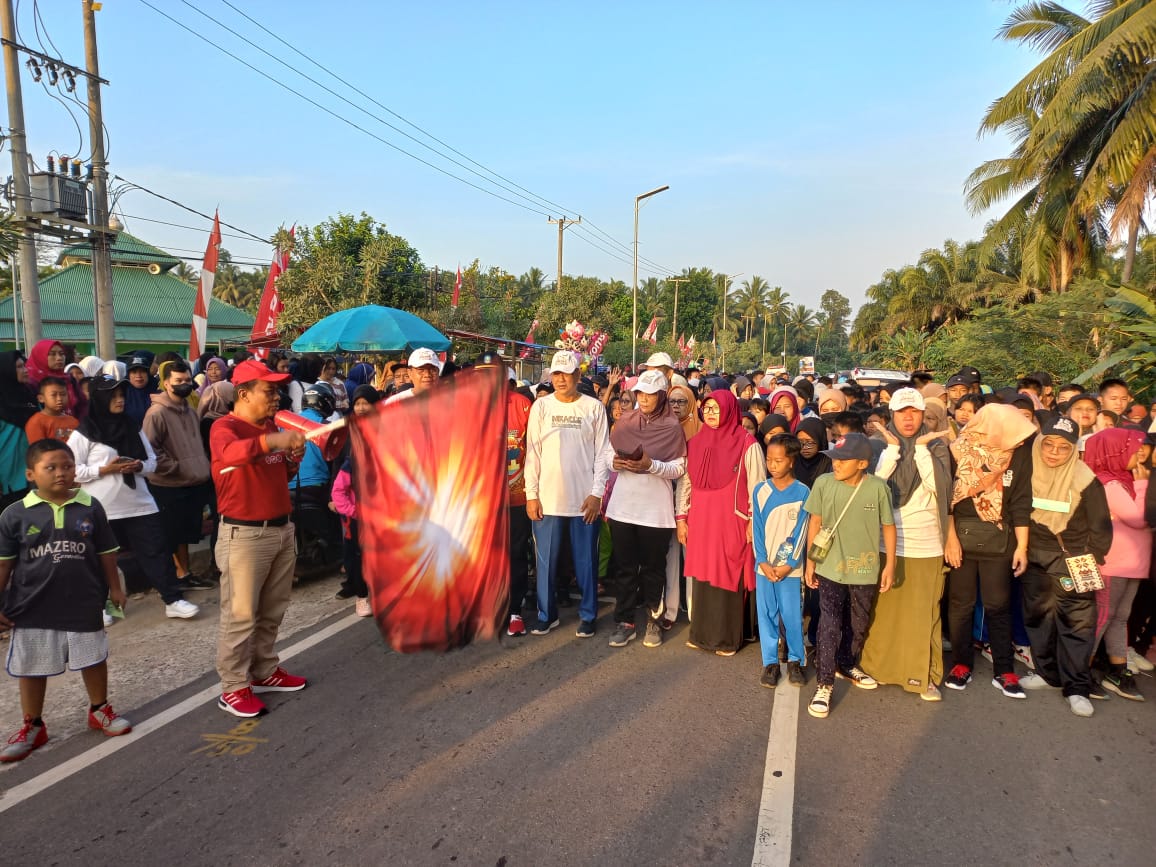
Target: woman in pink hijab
(48, 358)
(784, 401)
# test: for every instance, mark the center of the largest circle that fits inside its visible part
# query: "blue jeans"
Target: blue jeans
(584, 543)
(775, 599)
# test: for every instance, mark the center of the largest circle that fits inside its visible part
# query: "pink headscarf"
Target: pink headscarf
(777, 395)
(714, 454)
(1108, 452)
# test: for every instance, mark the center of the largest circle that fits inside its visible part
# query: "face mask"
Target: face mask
(828, 418)
(693, 381)
(183, 390)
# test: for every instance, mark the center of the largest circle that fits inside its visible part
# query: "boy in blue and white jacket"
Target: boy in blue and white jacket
(780, 540)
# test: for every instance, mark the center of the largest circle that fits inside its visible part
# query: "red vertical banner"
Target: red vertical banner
(433, 526)
(198, 333)
(265, 325)
(457, 289)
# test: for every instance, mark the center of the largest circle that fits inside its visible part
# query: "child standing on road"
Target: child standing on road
(53, 420)
(57, 548)
(780, 534)
(848, 510)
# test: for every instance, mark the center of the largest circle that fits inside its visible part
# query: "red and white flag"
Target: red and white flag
(198, 335)
(651, 332)
(265, 325)
(457, 289)
(525, 353)
(682, 343)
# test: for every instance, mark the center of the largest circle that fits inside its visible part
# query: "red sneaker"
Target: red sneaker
(279, 681)
(242, 703)
(517, 626)
(29, 737)
(104, 719)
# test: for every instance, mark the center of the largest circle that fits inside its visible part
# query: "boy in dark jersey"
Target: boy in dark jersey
(59, 552)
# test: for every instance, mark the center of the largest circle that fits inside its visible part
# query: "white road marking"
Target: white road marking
(777, 807)
(21, 793)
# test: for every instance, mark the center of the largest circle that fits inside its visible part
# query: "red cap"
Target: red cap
(247, 371)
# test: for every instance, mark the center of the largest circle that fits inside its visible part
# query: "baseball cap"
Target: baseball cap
(958, 379)
(906, 398)
(1062, 426)
(850, 447)
(564, 361)
(424, 358)
(971, 374)
(660, 359)
(252, 370)
(650, 382)
(1072, 401)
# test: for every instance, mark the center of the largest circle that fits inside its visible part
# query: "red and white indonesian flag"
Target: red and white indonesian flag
(198, 336)
(265, 325)
(457, 288)
(651, 332)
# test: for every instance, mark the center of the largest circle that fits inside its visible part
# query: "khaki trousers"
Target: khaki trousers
(256, 566)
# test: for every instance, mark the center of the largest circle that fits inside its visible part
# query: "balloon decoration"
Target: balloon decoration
(588, 345)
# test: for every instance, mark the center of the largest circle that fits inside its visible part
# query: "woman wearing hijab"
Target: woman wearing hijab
(216, 402)
(215, 370)
(770, 426)
(1113, 455)
(784, 401)
(832, 402)
(684, 405)
(18, 404)
(725, 464)
(650, 453)
(811, 463)
(360, 374)
(987, 541)
(112, 456)
(904, 643)
(1070, 518)
(48, 358)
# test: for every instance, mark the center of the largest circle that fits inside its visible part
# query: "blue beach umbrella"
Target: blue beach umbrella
(371, 329)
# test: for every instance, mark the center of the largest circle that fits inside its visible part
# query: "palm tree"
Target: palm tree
(775, 311)
(531, 285)
(186, 272)
(1084, 162)
(800, 321)
(724, 313)
(750, 302)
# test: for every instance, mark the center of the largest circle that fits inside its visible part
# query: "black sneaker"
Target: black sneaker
(770, 678)
(1097, 692)
(344, 593)
(623, 634)
(1123, 683)
(192, 581)
(585, 629)
(958, 678)
(857, 676)
(795, 675)
(543, 627)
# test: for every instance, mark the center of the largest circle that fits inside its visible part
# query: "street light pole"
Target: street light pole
(634, 328)
(726, 285)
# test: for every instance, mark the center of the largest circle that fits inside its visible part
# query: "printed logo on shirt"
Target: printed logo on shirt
(60, 550)
(869, 507)
(792, 514)
(1007, 478)
(571, 422)
(85, 527)
(863, 565)
(32, 530)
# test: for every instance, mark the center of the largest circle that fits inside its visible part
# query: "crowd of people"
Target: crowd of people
(863, 533)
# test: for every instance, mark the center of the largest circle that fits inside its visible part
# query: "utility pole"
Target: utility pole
(101, 261)
(562, 224)
(674, 323)
(21, 194)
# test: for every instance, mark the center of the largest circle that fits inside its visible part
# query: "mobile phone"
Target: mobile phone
(635, 455)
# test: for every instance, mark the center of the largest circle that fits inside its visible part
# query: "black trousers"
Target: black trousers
(1062, 629)
(520, 531)
(351, 558)
(640, 557)
(840, 642)
(993, 577)
(144, 535)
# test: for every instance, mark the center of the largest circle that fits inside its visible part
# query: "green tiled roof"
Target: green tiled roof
(126, 250)
(149, 308)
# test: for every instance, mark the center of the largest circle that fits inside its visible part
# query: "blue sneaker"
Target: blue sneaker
(585, 629)
(543, 627)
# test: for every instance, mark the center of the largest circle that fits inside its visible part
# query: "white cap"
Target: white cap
(511, 373)
(425, 358)
(906, 398)
(115, 369)
(660, 359)
(564, 361)
(650, 382)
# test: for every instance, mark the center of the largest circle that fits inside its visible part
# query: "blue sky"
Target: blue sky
(813, 144)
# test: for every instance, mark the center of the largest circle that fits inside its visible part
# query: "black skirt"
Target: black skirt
(719, 616)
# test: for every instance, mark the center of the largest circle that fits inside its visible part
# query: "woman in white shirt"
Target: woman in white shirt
(650, 453)
(112, 458)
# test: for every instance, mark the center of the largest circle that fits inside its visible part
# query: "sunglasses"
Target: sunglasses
(678, 402)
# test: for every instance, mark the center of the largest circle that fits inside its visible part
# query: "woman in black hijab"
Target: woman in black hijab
(811, 462)
(17, 404)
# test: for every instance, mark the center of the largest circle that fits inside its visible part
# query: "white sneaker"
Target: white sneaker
(1023, 652)
(932, 693)
(181, 609)
(362, 607)
(1080, 706)
(1136, 662)
(1031, 680)
(109, 620)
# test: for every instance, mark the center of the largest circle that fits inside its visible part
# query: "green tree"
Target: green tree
(837, 310)
(750, 301)
(776, 309)
(698, 299)
(349, 261)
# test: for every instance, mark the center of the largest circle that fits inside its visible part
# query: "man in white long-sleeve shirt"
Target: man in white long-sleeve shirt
(567, 465)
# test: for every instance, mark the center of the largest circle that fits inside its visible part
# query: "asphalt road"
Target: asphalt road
(553, 750)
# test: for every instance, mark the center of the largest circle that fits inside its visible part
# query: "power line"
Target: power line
(136, 186)
(532, 207)
(180, 226)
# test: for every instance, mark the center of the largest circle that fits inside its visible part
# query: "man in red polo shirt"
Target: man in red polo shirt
(251, 463)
